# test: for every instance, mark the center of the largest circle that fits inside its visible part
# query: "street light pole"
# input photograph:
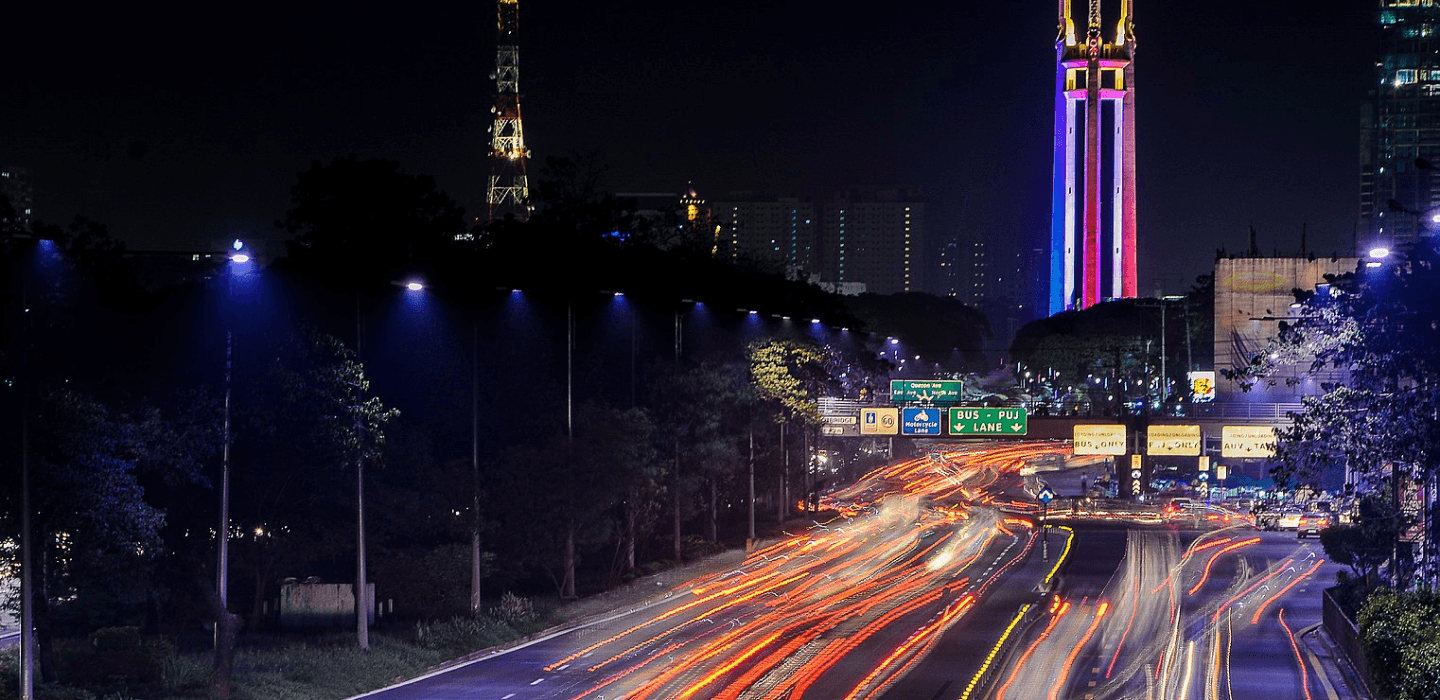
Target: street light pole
(475, 553)
(222, 568)
(362, 616)
(27, 580)
(676, 494)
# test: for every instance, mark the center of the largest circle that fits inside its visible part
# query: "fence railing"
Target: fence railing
(1347, 637)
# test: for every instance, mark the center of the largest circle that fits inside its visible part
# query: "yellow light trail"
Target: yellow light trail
(990, 658)
(1015, 673)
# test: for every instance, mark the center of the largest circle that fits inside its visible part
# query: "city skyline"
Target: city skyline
(179, 140)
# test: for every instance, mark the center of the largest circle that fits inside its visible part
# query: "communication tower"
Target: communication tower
(509, 191)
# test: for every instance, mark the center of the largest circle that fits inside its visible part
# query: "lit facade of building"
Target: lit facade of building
(1400, 200)
(15, 184)
(875, 236)
(776, 234)
(1093, 213)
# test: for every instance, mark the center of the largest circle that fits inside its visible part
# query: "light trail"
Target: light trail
(1260, 610)
(1020, 665)
(1205, 576)
(1300, 662)
(990, 658)
(1075, 652)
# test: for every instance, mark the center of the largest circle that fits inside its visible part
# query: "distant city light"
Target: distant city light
(619, 294)
(1379, 252)
(414, 286)
(240, 258)
(814, 320)
(238, 244)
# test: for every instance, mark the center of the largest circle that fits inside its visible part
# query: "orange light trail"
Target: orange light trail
(922, 634)
(1070, 658)
(1252, 587)
(1134, 606)
(1304, 677)
(1255, 620)
(1205, 575)
(1015, 673)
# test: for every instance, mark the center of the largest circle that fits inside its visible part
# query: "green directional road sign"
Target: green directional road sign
(989, 421)
(925, 391)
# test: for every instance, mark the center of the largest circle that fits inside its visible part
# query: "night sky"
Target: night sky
(184, 125)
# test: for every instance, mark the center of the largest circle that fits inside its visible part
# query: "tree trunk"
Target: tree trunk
(714, 512)
(784, 504)
(677, 501)
(631, 525)
(44, 641)
(227, 630)
(567, 589)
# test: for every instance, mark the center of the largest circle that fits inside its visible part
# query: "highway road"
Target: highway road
(935, 582)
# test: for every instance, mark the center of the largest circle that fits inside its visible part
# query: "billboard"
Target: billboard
(1173, 440)
(1247, 441)
(1202, 387)
(879, 421)
(1100, 440)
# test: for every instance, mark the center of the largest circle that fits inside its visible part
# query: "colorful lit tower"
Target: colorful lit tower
(509, 192)
(1092, 229)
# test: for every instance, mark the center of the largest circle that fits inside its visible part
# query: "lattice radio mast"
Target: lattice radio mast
(509, 192)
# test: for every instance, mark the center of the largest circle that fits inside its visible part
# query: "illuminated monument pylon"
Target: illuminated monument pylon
(509, 190)
(1092, 229)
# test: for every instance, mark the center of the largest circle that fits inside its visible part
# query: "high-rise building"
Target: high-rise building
(1092, 230)
(1400, 197)
(778, 234)
(15, 185)
(875, 236)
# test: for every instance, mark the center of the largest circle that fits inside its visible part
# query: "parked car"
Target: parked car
(1311, 524)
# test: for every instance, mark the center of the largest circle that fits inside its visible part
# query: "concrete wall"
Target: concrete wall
(322, 604)
(1252, 297)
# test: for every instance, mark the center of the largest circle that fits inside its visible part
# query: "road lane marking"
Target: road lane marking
(507, 697)
(537, 681)
(562, 668)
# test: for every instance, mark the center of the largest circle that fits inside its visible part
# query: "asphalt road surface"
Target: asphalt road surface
(937, 581)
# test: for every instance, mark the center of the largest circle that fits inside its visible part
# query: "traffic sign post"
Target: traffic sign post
(989, 421)
(1046, 495)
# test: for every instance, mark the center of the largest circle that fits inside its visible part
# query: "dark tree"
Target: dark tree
(357, 222)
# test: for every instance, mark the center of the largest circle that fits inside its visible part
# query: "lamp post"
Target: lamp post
(237, 257)
(27, 581)
(362, 600)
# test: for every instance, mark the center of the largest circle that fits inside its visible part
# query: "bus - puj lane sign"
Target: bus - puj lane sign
(989, 421)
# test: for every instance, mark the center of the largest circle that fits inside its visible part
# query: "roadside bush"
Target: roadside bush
(516, 611)
(462, 635)
(695, 547)
(1402, 644)
(113, 657)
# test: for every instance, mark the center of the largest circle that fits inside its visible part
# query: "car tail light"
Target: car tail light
(1300, 523)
